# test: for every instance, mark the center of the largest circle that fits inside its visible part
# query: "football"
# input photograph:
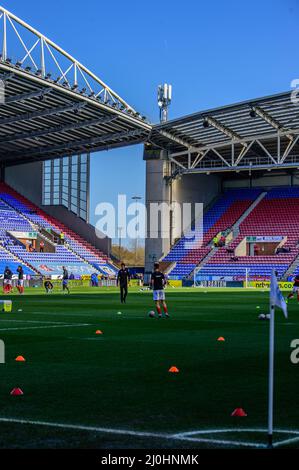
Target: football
(151, 314)
(262, 316)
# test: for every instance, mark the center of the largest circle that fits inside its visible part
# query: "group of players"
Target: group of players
(157, 284)
(7, 280)
(48, 285)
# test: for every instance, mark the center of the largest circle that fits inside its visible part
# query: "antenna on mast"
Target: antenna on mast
(164, 100)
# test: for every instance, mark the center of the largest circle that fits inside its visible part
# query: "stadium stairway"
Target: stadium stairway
(236, 226)
(293, 269)
(275, 214)
(235, 231)
(10, 219)
(204, 260)
(223, 214)
(76, 245)
(49, 240)
(7, 258)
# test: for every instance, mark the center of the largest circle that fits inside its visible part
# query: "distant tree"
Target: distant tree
(126, 254)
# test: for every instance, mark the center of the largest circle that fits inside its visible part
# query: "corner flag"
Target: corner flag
(276, 297)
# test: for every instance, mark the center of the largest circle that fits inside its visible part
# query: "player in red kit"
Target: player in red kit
(295, 289)
(20, 284)
(158, 283)
(7, 281)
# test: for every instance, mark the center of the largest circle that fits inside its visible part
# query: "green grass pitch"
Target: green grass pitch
(114, 390)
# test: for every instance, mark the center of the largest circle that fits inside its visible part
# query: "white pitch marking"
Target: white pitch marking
(238, 430)
(86, 339)
(218, 431)
(43, 327)
(250, 430)
(111, 315)
(222, 442)
(286, 441)
(137, 433)
(68, 314)
(34, 321)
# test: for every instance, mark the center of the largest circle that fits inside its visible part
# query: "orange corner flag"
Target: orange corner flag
(239, 412)
(20, 359)
(173, 369)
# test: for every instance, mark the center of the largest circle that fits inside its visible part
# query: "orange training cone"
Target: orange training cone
(174, 370)
(17, 391)
(99, 332)
(239, 412)
(20, 359)
(220, 338)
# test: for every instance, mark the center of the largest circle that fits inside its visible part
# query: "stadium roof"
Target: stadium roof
(254, 134)
(54, 106)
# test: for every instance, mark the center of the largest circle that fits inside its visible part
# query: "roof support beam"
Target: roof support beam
(266, 151)
(243, 152)
(173, 160)
(180, 141)
(226, 109)
(7, 76)
(75, 144)
(57, 129)
(26, 96)
(221, 157)
(14, 160)
(248, 168)
(225, 130)
(270, 120)
(44, 113)
(291, 144)
(233, 153)
(246, 140)
(275, 162)
(199, 158)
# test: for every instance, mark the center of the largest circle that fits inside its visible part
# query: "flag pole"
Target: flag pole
(276, 300)
(271, 377)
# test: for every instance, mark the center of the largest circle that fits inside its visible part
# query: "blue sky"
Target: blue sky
(213, 53)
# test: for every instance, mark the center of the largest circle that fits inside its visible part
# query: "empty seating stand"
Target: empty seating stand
(7, 259)
(276, 214)
(221, 216)
(19, 214)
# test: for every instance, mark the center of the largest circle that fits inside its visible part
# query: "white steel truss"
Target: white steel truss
(212, 158)
(258, 133)
(28, 49)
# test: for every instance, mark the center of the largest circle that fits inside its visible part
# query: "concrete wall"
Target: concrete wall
(188, 189)
(193, 189)
(27, 180)
(85, 230)
(268, 179)
(157, 191)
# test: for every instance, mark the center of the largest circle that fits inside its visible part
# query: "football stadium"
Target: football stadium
(80, 369)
